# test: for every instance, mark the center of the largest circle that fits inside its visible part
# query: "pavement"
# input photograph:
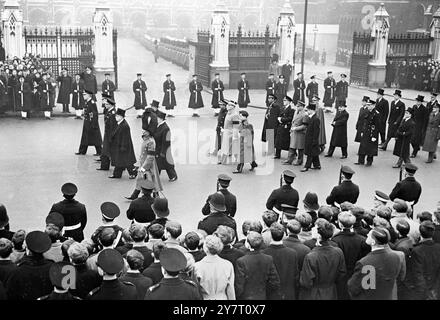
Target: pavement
(37, 157)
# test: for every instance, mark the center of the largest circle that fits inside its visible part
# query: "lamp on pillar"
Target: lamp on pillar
(103, 26)
(378, 49)
(435, 34)
(220, 27)
(286, 30)
(12, 22)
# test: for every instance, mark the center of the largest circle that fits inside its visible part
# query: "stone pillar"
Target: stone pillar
(12, 21)
(378, 48)
(220, 28)
(435, 34)
(286, 30)
(103, 25)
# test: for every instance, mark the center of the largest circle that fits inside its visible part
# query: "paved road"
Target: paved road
(37, 157)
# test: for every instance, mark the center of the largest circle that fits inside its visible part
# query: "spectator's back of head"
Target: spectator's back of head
(326, 213)
(174, 229)
(213, 245)
(277, 231)
(156, 231)
(347, 206)
(18, 239)
(135, 259)
(380, 235)
(226, 234)
(255, 240)
(192, 241)
(269, 217)
(384, 212)
(425, 216)
(347, 220)
(65, 247)
(251, 225)
(294, 227)
(403, 227)
(158, 247)
(380, 222)
(78, 253)
(107, 237)
(305, 219)
(427, 229)
(138, 232)
(6, 247)
(325, 229)
(400, 206)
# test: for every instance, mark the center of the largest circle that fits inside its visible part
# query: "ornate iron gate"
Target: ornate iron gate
(203, 57)
(360, 58)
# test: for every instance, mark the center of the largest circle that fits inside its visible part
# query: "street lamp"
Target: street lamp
(306, 5)
(315, 31)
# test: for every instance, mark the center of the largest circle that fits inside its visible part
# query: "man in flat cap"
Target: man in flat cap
(408, 189)
(139, 90)
(172, 287)
(217, 88)
(110, 124)
(195, 98)
(73, 212)
(299, 85)
(283, 195)
(397, 112)
(312, 88)
(57, 274)
(369, 136)
(164, 157)
(91, 134)
(108, 87)
(169, 98)
(243, 91)
(218, 215)
(110, 262)
(31, 279)
(346, 190)
(223, 182)
(341, 91)
(329, 95)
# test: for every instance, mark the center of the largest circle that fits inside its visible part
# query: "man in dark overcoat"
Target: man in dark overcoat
(46, 90)
(312, 89)
(108, 87)
(65, 84)
(420, 116)
(164, 156)
(339, 135)
(403, 138)
(77, 90)
(299, 85)
(280, 90)
(362, 111)
(121, 148)
(139, 90)
(110, 125)
(243, 91)
(369, 136)
(270, 86)
(383, 107)
(217, 88)
(284, 195)
(23, 95)
(329, 95)
(91, 135)
(195, 98)
(312, 148)
(341, 91)
(270, 125)
(396, 115)
(90, 83)
(169, 98)
(282, 138)
(345, 191)
(408, 189)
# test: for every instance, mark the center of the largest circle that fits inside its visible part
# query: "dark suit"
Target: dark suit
(140, 210)
(230, 201)
(231, 254)
(339, 135)
(110, 125)
(91, 135)
(311, 149)
(164, 157)
(114, 290)
(149, 121)
(421, 117)
(154, 272)
(217, 88)
(270, 89)
(141, 283)
(284, 195)
(408, 189)
(211, 222)
(301, 249)
(346, 191)
(299, 86)
(271, 123)
(121, 150)
(174, 289)
(256, 277)
(75, 215)
(383, 107)
(396, 115)
(359, 123)
(370, 137)
(286, 263)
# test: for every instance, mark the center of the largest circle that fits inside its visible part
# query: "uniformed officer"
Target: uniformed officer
(223, 182)
(345, 191)
(140, 210)
(408, 189)
(58, 273)
(369, 135)
(218, 215)
(110, 124)
(73, 212)
(110, 262)
(110, 211)
(171, 287)
(284, 195)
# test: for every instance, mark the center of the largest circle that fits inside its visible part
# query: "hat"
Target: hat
(110, 101)
(172, 260)
(57, 273)
(243, 74)
(311, 107)
(316, 97)
(311, 201)
(288, 98)
(313, 77)
(371, 102)
(4, 219)
(56, 219)
(347, 170)
(289, 174)
(299, 73)
(105, 96)
(381, 92)
(379, 195)
(168, 75)
(224, 178)
(216, 74)
(194, 75)
(155, 104)
(160, 207)
(139, 74)
(271, 74)
(38, 242)
(411, 168)
(146, 184)
(161, 115)
(271, 95)
(222, 102)
(120, 112)
(434, 94)
(217, 201)
(366, 99)
(328, 72)
(69, 189)
(244, 113)
(110, 261)
(343, 75)
(107, 74)
(85, 91)
(281, 77)
(65, 69)
(110, 210)
(398, 92)
(420, 98)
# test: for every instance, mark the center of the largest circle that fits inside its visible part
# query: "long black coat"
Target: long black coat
(383, 107)
(346, 191)
(299, 86)
(139, 90)
(91, 135)
(312, 89)
(65, 87)
(243, 93)
(341, 92)
(110, 125)
(74, 213)
(271, 121)
(359, 123)
(23, 95)
(121, 146)
(281, 92)
(217, 88)
(195, 98)
(149, 121)
(46, 91)
(141, 211)
(270, 89)
(108, 87)
(396, 115)
(329, 95)
(282, 139)
(169, 98)
(284, 195)
(421, 118)
(408, 190)
(403, 138)
(339, 135)
(311, 147)
(90, 83)
(162, 136)
(77, 95)
(370, 131)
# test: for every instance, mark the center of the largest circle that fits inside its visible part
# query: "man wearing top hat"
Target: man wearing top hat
(223, 182)
(282, 139)
(329, 95)
(299, 85)
(383, 107)
(57, 276)
(285, 195)
(341, 91)
(369, 136)
(271, 123)
(169, 98)
(346, 190)
(396, 115)
(73, 212)
(91, 134)
(195, 98)
(404, 136)
(362, 112)
(140, 99)
(311, 146)
(172, 287)
(90, 83)
(64, 83)
(312, 88)
(408, 189)
(108, 87)
(420, 115)
(149, 118)
(121, 148)
(164, 155)
(217, 88)
(110, 125)
(270, 86)
(243, 91)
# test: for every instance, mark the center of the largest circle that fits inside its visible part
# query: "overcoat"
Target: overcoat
(121, 146)
(370, 132)
(47, 101)
(247, 151)
(140, 89)
(420, 116)
(108, 87)
(329, 95)
(311, 145)
(432, 133)
(403, 139)
(91, 135)
(396, 115)
(383, 107)
(110, 125)
(298, 130)
(299, 86)
(339, 135)
(280, 92)
(243, 93)
(90, 83)
(195, 99)
(217, 88)
(322, 134)
(282, 139)
(77, 90)
(64, 91)
(162, 136)
(312, 90)
(359, 123)
(169, 98)
(270, 89)
(271, 121)
(23, 95)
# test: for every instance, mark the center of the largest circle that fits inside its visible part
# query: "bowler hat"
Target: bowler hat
(217, 201)
(172, 260)
(69, 189)
(381, 92)
(311, 201)
(107, 74)
(281, 77)
(38, 242)
(56, 219)
(120, 112)
(110, 210)
(4, 219)
(160, 207)
(111, 261)
(168, 75)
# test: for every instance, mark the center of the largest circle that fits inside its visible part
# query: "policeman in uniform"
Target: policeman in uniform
(91, 134)
(369, 135)
(57, 273)
(284, 195)
(345, 191)
(110, 262)
(110, 124)
(171, 287)
(73, 212)
(110, 211)
(408, 189)
(223, 182)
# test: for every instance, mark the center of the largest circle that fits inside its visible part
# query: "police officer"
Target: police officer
(408, 189)
(171, 287)
(284, 195)
(73, 212)
(110, 262)
(57, 273)
(110, 124)
(140, 210)
(345, 191)
(369, 135)
(110, 211)
(223, 182)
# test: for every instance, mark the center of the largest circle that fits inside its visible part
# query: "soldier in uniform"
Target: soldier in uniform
(408, 189)
(403, 138)
(110, 124)
(77, 90)
(285, 195)
(65, 84)
(223, 182)
(217, 88)
(383, 107)
(396, 115)
(220, 126)
(339, 135)
(169, 98)
(57, 273)
(299, 85)
(270, 87)
(90, 83)
(140, 90)
(164, 157)
(312, 89)
(431, 103)
(341, 91)
(73, 212)
(282, 138)
(329, 95)
(345, 191)
(369, 135)
(243, 91)
(149, 118)
(109, 212)
(91, 135)
(172, 287)
(108, 87)
(246, 143)
(420, 116)
(286, 71)
(218, 215)
(271, 123)
(140, 210)
(195, 98)
(45, 89)
(110, 262)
